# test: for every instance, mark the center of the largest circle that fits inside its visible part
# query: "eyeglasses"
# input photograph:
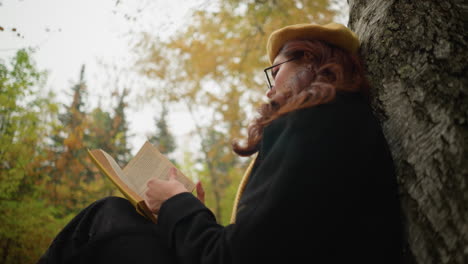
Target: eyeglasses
(269, 72)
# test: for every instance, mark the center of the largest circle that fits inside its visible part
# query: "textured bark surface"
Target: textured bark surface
(416, 56)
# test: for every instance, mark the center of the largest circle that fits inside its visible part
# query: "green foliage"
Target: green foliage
(46, 176)
(28, 227)
(20, 121)
(26, 223)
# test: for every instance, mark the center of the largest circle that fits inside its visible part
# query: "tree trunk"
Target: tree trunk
(6, 250)
(416, 57)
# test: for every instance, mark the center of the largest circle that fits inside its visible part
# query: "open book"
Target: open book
(132, 179)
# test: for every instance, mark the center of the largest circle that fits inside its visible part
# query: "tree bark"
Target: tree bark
(416, 59)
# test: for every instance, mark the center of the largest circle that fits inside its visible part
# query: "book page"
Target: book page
(122, 175)
(148, 163)
(112, 170)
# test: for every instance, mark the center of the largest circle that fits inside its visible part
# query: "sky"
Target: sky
(67, 34)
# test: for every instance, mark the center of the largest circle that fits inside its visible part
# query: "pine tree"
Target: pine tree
(71, 166)
(120, 132)
(162, 138)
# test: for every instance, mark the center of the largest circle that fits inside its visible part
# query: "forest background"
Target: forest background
(210, 66)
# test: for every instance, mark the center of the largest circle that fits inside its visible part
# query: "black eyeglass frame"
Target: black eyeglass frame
(273, 66)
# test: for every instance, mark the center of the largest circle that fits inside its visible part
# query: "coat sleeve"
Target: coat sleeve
(316, 177)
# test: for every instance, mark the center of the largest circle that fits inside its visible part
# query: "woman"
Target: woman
(322, 187)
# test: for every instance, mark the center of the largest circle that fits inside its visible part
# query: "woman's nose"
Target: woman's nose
(270, 92)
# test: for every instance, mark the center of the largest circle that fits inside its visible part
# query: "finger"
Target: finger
(172, 173)
(200, 192)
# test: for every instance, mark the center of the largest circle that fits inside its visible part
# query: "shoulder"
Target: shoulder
(348, 109)
(346, 120)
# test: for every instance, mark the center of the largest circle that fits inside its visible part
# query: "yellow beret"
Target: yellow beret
(333, 33)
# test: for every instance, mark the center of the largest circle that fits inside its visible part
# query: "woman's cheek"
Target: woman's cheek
(303, 77)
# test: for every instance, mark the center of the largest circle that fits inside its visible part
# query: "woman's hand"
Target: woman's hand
(160, 190)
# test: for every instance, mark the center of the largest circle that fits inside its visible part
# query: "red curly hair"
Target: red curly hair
(330, 69)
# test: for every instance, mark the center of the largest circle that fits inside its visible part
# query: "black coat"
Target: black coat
(323, 190)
